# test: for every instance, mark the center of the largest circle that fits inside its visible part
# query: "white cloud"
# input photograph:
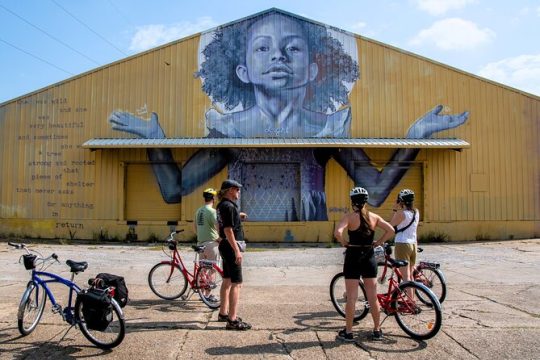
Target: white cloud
(521, 72)
(358, 27)
(150, 36)
(439, 7)
(453, 34)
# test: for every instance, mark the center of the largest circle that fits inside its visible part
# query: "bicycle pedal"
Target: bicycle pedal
(56, 309)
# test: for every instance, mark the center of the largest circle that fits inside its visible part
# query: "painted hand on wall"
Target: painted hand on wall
(127, 122)
(432, 122)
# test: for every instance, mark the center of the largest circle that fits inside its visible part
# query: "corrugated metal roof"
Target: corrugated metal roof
(123, 143)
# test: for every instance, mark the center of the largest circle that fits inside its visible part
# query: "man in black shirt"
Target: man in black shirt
(230, 230)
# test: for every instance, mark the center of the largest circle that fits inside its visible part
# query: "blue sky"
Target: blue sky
(46, 41)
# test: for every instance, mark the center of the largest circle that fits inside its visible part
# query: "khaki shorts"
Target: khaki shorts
(407, 252)
(211, 251)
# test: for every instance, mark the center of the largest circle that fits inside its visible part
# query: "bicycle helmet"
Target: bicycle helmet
(359, 195)
(406, 196)
(209, 193)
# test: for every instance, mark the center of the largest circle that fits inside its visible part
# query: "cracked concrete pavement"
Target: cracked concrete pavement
(491, 311)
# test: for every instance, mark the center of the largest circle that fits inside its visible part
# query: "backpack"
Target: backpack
(96, 308)
(104, 280)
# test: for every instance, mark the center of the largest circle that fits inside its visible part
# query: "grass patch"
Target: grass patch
(434, 237)
(482, 237)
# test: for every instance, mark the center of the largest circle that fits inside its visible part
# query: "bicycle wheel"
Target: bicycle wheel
(209, 280)
(111, 336)
(421, 320)
(31, 308)
(167, 281)
(434, 280)
(338, 295)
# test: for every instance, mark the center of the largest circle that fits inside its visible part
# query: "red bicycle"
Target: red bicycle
(169, 279)
(421, 320)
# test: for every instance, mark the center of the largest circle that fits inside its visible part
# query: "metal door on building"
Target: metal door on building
(143, 200)
(271, 191)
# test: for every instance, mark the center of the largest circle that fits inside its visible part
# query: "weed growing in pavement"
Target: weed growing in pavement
(434, 237)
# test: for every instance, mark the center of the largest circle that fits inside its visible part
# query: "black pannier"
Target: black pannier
(96, 308)
(104, 280)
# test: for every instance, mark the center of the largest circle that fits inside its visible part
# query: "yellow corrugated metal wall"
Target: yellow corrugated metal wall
(395, 88)
(46, 176)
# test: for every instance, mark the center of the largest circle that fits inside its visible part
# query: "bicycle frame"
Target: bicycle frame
(386, 299)
(53, 278)
(177, 261)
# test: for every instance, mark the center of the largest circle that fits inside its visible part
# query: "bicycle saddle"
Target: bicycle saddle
(76, 267)
(397, 263)
(198, 248)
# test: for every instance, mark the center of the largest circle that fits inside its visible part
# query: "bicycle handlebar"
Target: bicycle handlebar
(23, 246)
(17, 245)
(171, 235)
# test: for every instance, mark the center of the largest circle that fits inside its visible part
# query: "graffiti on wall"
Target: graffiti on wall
(54, 173)
(277, 76)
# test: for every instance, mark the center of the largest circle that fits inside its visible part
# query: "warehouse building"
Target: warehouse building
(297, 111)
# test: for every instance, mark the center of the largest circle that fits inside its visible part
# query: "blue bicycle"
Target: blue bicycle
(112, 327)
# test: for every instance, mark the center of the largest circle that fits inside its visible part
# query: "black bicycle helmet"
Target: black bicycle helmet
(359, 196)
(406, 196)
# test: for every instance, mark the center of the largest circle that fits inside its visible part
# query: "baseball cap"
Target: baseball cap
(229, 183)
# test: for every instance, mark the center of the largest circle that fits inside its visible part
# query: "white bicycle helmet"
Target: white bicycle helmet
(406, 196)
(359, 195)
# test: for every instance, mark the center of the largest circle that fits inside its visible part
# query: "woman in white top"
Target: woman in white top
(405, 222)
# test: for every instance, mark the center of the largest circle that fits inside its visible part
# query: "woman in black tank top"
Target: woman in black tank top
(360, 260)
(363, 235)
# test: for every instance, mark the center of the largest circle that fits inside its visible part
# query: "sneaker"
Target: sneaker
(222, 318)
(237, 324)
(377, 335)
(343, 335)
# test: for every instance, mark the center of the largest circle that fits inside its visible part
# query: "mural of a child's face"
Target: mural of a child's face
(277, 55)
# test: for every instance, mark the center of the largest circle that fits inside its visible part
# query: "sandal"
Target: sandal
(237, 324)
(222, 318)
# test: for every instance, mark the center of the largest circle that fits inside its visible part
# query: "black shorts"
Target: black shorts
(360, 262)
(231, 270)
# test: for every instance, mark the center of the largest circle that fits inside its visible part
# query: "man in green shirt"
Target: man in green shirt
(206, 226)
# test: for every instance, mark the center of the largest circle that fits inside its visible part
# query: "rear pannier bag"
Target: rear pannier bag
(96, 308)
(104, 280)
